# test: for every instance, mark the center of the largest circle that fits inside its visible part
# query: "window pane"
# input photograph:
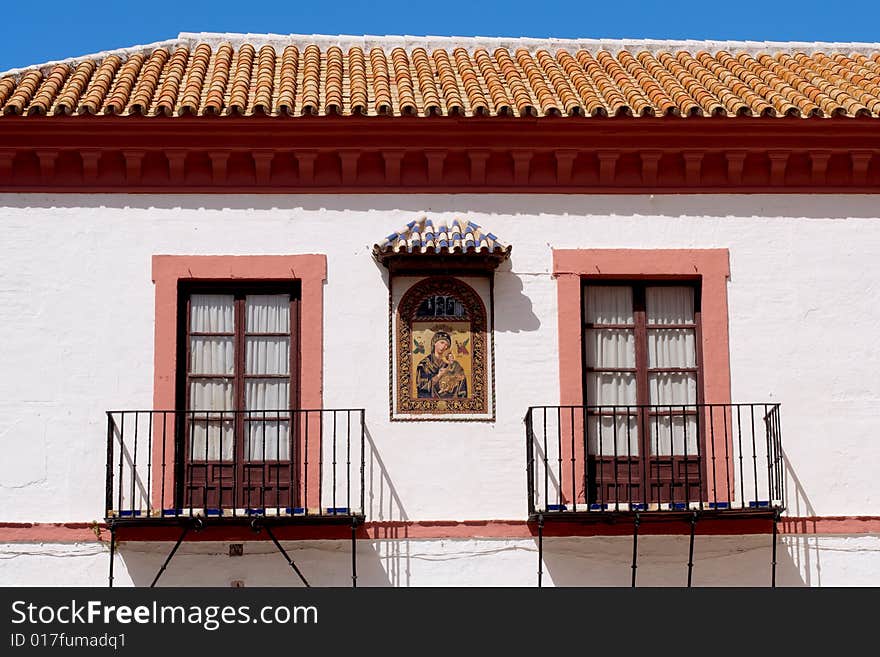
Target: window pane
(212, 355)
(212, 313)
(611, 388)
(267, 395)
(267, 356)
(674, 435)
(608, 304)
(268, 313)
(672, 388)
(209, 439)
(211, 395)
(267, 440)
(671, 348)
(611, 348)
(603, 441)
(670, 305)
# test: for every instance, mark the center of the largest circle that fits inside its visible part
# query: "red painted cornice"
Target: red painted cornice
(441, 154)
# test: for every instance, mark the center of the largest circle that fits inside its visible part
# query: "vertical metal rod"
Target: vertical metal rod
(573, 468)
(586, 455)
(768, 440)
(354, 570)
(540, 549)
(754, 454)
(687, 483)
(207, 467)
(530, 461)
(333, 471)
(112, 552)
(560, 496)
(635, 549)
(149, 486)
(162, 484)
(286, 556)
(348, 460)
(773, 563)
(727, 496)
(742, 472)
(292, 433)
(306, 466)
(614, 462)
(712, 441)
(134, 461)
(320, 462)
(691, 548)
(108, 492)
(170, 555)
(700, 469)
(546, 472)
(363, 459)
(121, 452)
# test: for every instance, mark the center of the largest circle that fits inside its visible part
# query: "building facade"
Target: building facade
(472, 312)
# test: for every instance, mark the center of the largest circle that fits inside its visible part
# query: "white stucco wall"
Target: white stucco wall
(77, 306)
(598, 561)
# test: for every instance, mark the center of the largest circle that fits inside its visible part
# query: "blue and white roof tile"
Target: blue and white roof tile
(456, 237)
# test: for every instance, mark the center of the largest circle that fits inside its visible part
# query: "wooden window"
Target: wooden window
(642, 386)
(238, 391)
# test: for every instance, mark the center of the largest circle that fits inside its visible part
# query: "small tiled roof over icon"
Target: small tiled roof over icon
(458, 238)
(297, 75)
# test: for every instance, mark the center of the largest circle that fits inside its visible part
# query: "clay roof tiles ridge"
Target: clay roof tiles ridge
(291, 75)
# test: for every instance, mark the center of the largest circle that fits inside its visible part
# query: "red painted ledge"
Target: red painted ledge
(82, 532)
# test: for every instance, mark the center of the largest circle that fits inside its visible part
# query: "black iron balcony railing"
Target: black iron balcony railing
(235, 464)
(715, 457)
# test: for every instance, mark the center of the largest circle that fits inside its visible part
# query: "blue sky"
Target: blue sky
(34, 32)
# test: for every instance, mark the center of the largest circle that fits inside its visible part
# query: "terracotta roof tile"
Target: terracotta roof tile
(426, 81)
(73, 89)
(357, 74)
(287, 86)
(148, 82)
(293, 76)
(473, 85)
(381, 81)
(47, 92)
(403, 82)
(333, 81)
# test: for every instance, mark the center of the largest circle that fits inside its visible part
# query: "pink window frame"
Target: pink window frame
(168, 270)
(571, 267)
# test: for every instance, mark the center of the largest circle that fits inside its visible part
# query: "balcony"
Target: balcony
(595, 463)
(286, 466)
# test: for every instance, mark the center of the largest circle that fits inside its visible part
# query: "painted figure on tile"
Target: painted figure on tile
(439, 375)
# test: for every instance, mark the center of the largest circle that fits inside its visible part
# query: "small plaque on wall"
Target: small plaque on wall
(441, 348)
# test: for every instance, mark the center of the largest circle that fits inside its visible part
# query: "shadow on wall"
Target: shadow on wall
(513, 309)
(743, 560)
(804, 549)
(382, 561)
(740, 560)
(662, 205)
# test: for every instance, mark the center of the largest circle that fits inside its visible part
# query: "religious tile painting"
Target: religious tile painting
(442, 355)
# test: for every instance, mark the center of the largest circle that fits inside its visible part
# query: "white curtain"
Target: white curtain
(212, 313)
(608, 304)
(267, 437)
(611, 349)
(268, 313)
(672, 348)
(211, 435)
